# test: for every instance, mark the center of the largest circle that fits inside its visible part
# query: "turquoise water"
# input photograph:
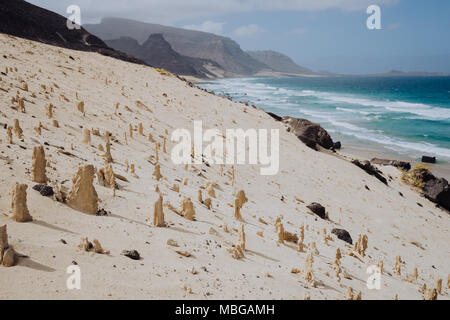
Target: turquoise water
(409, 116)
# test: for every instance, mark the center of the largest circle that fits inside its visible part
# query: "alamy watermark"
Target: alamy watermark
(374, 279)
(74, 280)
(74, 20)
(230, 148)
(374, 20)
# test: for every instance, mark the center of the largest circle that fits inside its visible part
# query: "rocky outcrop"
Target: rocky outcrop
(437, 190)
(370, 169)
(434, 189)
(311, 134)
(404, 165)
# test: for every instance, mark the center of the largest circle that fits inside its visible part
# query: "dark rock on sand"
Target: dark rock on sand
(404, 165)
(311, 134)
(318, 209)
(44, 190)
(343, 235)
(370, 169)
(102, 212)
(132, 254)
(428, 159)
(337, 145)
(438, 191)
(273, 115)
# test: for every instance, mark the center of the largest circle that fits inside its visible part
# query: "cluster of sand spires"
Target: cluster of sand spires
(117, 154)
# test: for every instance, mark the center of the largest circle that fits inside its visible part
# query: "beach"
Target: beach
(193, 258)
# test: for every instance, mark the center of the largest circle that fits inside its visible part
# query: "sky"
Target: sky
(325, 35)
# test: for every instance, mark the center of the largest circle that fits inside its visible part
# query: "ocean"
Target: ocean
(400, 117)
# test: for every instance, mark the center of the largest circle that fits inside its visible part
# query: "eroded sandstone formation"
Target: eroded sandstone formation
(157, 172)
(83, 196)
(17, 129)
(38, 165)
(19, 209)
(158, 213)
(187, 209)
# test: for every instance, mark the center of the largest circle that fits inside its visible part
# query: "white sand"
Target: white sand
(390, 221)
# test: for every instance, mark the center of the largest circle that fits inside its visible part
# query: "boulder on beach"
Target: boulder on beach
(428, 159)
(310, 133)
(438, 191)
(337, 145)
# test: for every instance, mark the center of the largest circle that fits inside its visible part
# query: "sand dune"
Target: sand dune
(203, 268)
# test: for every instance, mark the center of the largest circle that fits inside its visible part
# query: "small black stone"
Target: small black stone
(343, 235)
(46, 191)
(318, 209)
(102, 212)
(132, 254)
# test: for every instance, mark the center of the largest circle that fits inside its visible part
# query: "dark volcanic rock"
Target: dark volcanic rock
(337, 145)
(428, 159)
(343, 235)
(318, 209)
(438, 191)
(309, 133)
(44, 190)
(398, 164)
(132, 254)
(370, 169)
(22, 19)
(273, 115)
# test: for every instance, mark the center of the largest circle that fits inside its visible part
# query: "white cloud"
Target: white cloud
(247, 31)
(207, 26)
(173, 11)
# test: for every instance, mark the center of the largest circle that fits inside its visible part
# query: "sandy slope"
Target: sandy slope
(391, 222)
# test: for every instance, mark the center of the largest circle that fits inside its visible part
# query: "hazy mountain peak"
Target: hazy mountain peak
(191, 43)
(278, 61)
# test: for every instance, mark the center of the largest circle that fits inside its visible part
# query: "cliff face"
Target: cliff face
(223, 51)
(157, 52)
(278, 61)
(22, 19)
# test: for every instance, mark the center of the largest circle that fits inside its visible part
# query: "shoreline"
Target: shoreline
(355, 147)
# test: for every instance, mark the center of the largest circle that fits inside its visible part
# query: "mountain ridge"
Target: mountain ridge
(278, 61)
(197, 44)
(22, 19)
(157, 52)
